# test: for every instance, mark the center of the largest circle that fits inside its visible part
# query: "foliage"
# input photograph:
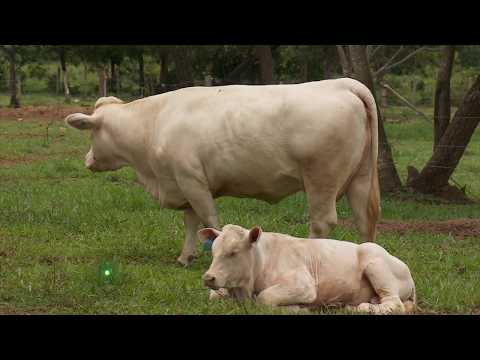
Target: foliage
(38, 66)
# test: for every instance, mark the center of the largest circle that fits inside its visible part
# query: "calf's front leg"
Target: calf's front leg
(297, 288)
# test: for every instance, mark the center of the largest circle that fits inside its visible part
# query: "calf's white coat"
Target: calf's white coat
(281, 270)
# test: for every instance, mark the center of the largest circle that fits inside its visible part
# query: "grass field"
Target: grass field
(59, 223)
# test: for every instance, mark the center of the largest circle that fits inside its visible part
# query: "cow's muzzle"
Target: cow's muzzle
(209, 281)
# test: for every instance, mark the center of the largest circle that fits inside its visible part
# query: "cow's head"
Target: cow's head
(233, 258)
(102, 156)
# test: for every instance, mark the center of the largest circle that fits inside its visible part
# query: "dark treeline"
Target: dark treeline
(85, 70)
(441, 77)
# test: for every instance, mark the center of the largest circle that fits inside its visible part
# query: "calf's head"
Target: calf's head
(103, 155)
(233, 256)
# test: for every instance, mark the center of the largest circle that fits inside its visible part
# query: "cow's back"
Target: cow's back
(253, 141)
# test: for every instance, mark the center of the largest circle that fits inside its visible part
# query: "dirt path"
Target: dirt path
(458, 228)
(48, 112)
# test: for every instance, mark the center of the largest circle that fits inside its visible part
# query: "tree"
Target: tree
(435, 175)
(182, 58)
(354, 61)
(99, 57)
(442, 95)
(264, 56)
(63, 64)
(11, 54)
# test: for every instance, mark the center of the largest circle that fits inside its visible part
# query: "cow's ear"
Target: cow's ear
(107, 100)
(81, 121)
(254, 234)
(208, 234)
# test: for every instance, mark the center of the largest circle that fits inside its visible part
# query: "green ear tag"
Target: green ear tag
(207, 245)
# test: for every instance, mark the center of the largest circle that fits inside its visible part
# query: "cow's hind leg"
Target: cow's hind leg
(358, 194)
(323, 215)
(322, 208)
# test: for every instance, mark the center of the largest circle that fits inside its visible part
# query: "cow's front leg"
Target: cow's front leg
(192, 222)
(201, 201)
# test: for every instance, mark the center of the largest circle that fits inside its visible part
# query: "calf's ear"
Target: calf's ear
(80, 121)
(208, 234)
(254, 234)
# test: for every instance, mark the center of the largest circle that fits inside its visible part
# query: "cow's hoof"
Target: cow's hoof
(186, 260)
(365, 308)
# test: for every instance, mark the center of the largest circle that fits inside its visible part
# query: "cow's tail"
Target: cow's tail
(373, 206)
(411, 303)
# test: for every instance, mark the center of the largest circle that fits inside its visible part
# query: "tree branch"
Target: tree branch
(384, 69)
(374, 51)
(405, 101)
(385, 66)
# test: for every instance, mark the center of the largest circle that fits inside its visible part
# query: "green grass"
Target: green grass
(59, 223)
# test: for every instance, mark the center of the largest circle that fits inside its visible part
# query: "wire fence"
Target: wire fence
(463, 174)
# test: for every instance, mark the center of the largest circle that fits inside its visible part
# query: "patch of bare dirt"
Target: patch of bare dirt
(42, 112)
(458, 228)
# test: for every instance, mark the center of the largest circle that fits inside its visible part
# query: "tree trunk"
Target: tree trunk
(163, 68)
(452, 145)
(141, 75)
(113, 76)
(384, 98)
(388, 175)
(264, 56)
(63, 64)
(345, 62)
(305, 71)
(102, 81)
(14, 100)
(327, 68)
(414, 92)
(240, 69)
(57, 82)
(183, 66)
(119, 79)
(442, 111)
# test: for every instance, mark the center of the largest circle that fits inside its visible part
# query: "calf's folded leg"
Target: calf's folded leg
(295, 288)
(386, 286)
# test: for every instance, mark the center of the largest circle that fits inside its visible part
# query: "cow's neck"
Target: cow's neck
(131, 140)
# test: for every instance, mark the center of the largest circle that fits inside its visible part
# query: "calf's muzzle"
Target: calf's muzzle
(209, 280)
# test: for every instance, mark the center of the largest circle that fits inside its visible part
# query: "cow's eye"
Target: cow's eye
(232, 254)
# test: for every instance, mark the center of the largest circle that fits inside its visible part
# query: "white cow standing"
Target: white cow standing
(281, 270)
(193, 145)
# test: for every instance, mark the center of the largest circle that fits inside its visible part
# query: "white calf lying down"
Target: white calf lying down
(281, 270)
